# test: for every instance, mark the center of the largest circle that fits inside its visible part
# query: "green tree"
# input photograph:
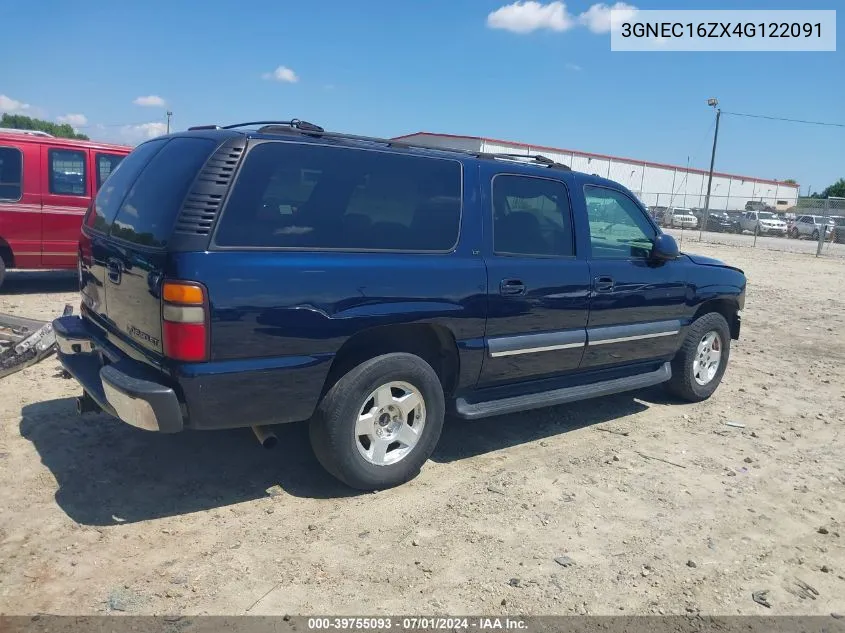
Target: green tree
(22, 122)
(790, 181)
(836, 190)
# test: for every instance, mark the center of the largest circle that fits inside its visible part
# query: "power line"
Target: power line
(778, 118)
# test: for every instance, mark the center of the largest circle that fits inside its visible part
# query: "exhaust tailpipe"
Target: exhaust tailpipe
(86, 404)
(265, 436)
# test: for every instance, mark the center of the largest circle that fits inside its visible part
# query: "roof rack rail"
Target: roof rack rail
(303, 126)
(15, 130)
(310, 129)
(537, 158)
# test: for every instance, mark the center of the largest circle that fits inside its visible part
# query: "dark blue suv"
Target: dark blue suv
(273, 272)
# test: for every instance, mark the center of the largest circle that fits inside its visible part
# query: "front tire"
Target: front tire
(816, 236)
(699, 365)
(380, 422)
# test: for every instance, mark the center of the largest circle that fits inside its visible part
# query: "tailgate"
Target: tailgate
(122, 269)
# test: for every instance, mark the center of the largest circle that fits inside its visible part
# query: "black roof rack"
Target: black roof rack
(310, 129)
(302, 126)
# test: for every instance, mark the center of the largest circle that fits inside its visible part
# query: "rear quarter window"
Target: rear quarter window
(111, 195)
(291, 195)
(148, 212)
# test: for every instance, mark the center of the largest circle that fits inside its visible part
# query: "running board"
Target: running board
(561, 396)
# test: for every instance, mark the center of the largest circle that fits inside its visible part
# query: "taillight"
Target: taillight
(184, 321)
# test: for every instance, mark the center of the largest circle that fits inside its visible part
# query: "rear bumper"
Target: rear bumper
(122, 387)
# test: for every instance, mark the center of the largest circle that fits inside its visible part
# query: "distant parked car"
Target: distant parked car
(757, 205)
(838, 232)
(718, 221)
(763, 223)
(810, 226)
(658, 214)
(735, 218)
(680, 218)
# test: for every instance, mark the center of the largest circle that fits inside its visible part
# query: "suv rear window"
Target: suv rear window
(312, 196)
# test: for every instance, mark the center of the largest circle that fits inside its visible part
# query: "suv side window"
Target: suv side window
(531, 216)
(300, 195)
(68, 173)
(11, 173)
(618, 227)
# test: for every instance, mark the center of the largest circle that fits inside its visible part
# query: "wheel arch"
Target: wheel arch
(6, 253)
(432, 342)
(728, 307)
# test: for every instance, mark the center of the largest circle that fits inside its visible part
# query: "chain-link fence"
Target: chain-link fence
(806, 225)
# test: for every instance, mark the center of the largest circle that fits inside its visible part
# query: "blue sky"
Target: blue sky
(390, 68)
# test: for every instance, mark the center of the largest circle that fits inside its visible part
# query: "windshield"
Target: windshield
(765, 215)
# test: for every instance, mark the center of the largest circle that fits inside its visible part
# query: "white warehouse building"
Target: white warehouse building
(656, 184)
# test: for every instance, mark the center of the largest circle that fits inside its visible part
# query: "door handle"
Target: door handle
(603, 284)
(511, 287)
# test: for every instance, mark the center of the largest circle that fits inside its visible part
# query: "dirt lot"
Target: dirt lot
(97, 517)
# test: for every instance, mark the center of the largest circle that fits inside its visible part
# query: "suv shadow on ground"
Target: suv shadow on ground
(107, 469)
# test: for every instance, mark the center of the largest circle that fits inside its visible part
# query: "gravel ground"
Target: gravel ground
(98, 517)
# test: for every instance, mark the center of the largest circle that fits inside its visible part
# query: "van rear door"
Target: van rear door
(138, 206)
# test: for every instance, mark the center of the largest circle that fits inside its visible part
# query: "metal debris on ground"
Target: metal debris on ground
(736, 425)
(659, 459)
(761, 598)
(564, 561)
(804, 590)
(25, 342)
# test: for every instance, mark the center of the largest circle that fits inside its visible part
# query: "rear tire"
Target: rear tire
(795, 234)
(694, 378)
(378, 405)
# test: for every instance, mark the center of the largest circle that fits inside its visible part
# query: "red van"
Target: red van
(46, 185)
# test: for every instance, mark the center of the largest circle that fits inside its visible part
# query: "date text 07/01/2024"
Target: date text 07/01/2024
(417, 623)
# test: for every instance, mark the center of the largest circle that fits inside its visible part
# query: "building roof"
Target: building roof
(637, 161)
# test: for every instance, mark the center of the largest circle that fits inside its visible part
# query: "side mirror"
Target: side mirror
(665, 248)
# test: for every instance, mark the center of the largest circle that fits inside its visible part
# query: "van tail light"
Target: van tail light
(184, 321)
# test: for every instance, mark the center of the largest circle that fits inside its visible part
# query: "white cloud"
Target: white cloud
(574, 67)
(283, 74)
(597, 17)
(134, 134)
(74, 120)
(150, 101)
(526, 17)
(12, 106)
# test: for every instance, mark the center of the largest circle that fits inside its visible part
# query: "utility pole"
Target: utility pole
(713, 103)
(170, 114)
